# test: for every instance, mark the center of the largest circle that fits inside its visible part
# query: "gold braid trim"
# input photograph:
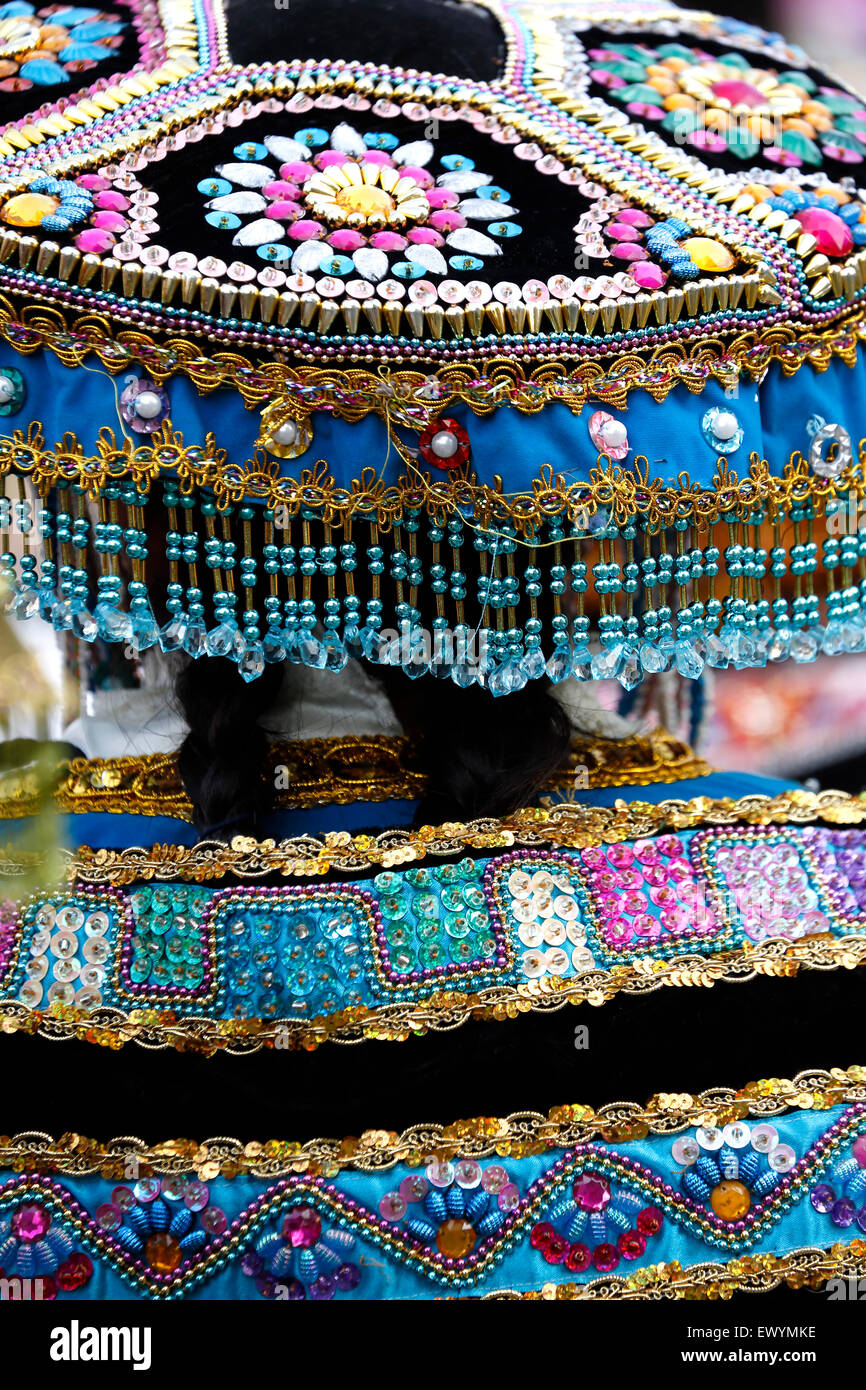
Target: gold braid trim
(377, 1150)
(353, 393)
(627, 493)
(569, 825)
(808, 1267)
(160, 1028)
(333, 772)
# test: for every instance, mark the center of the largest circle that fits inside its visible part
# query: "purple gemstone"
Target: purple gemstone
(822, 1197)
(323, 1288)
(843, 1212)
(252, 1264)
(348, 1276)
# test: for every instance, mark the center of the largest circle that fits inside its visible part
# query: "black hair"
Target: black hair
(221, 759)
(482, 756)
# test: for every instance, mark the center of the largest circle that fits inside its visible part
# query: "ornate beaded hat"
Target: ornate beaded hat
(544, 359)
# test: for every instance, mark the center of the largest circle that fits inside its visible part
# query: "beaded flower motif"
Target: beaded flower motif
(162, 1221)
(723, 105)
(725, 1170)
(342, 203)
(44, 48)
(843, 1198)
(32, 1247)
(456, 1209)
(303, 1261)
(597, 1225)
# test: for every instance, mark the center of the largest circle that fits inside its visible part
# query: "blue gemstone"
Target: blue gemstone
(214, 188)
(505, 229)
(380, 140)
(273, 252)
(407, 270)
(251, 152)
(312, 136)
(226, 221)
(456, 162)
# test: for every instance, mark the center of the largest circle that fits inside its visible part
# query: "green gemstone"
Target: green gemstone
(394, 909)
(640, 91)
(399, 935)
(799, 144)
(741, 142)
(457, 925)
(433, 954)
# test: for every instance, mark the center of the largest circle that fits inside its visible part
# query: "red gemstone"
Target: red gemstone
(605, 1257)
(556, 1250)
(738, 93)
(542, 1234)
(578, 1258)
(75, 1272)
(631, 1245)
(833, 236)
(649, 1221)
(591, 1192)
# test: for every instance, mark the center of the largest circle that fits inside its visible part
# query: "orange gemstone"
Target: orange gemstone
(708, 254)
(163, 1253)
(455, 1237)
(366, 199)
(28, 209)
(730, 1200)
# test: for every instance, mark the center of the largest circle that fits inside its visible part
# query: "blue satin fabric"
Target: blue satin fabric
(388, 1275)
(116, 830)
(506, 442)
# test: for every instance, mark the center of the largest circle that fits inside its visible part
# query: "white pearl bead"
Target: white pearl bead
(148, 405)
(7, 389)
(444, 444)
(286, 435)
(725, 425)
(614, 433)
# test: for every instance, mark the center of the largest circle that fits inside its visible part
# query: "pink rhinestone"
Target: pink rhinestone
(591, 1192)
(306, 230)
(302, 1227)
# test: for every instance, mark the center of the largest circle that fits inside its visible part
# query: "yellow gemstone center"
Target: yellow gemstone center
(730, 1199)
(455, 1237)
(28, 209)
(365, 199)
(708, 254)
(163, 1253)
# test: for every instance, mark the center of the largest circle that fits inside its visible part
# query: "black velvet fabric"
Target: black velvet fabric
(684, 1039)
(437, 36)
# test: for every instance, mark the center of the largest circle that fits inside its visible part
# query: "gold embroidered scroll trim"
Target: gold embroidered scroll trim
(334, 772)
(160, 1028)
(805, 1268)
(568, 825)
(627, 494)
(377, 1150)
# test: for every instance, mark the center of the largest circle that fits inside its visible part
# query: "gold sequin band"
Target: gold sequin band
(334, 772)
(570, 825)
(805, 1268)
(377, 1150)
